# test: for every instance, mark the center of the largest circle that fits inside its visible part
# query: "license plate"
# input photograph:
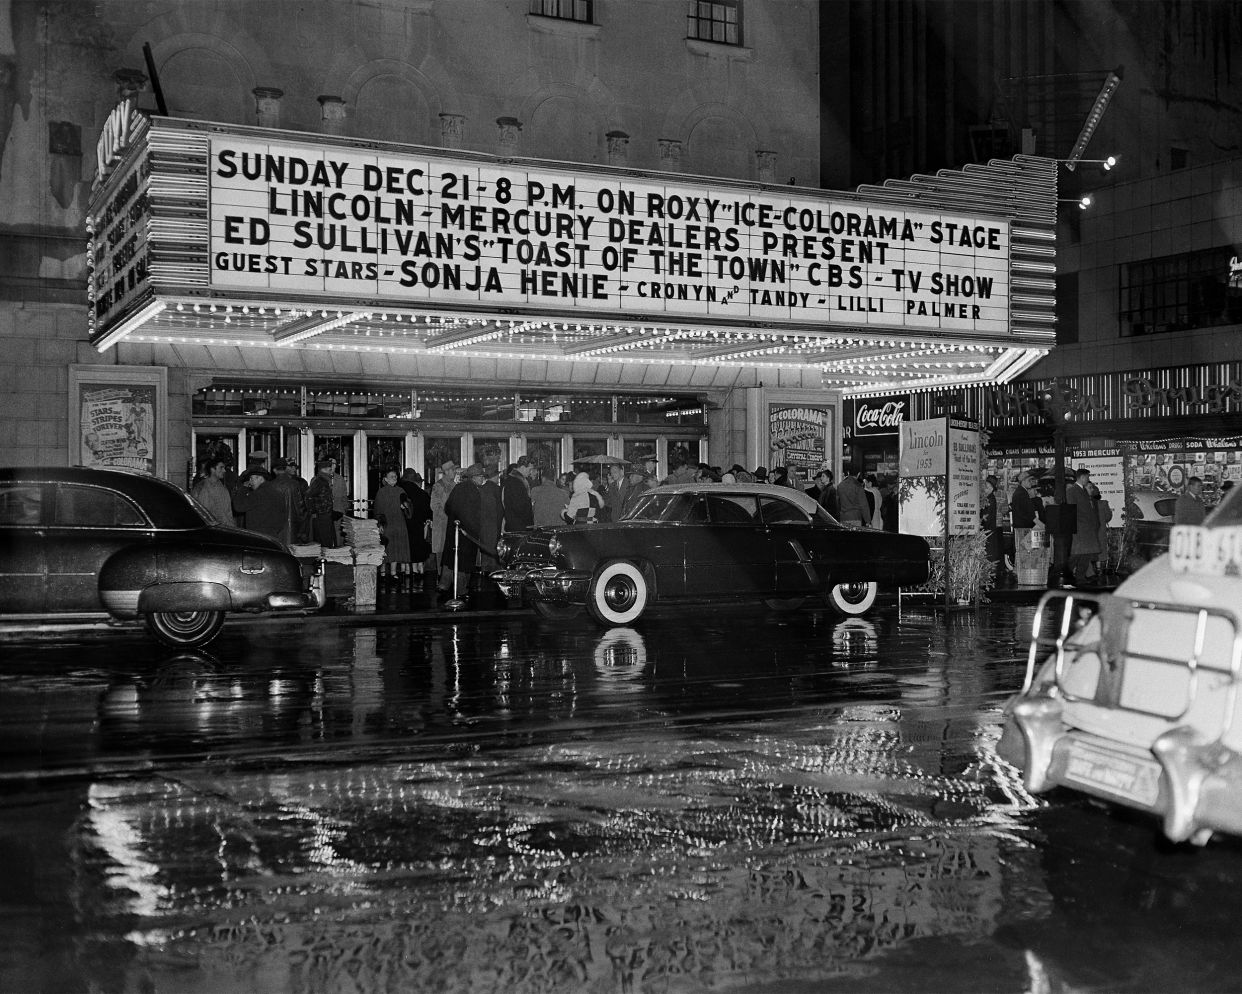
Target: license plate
(1125, 776)
(1209, 551)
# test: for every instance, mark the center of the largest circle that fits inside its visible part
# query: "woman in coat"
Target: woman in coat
(420, 515)
(389, 509)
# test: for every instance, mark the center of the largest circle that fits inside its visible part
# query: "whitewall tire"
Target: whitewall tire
(852, 599)
(618, 594)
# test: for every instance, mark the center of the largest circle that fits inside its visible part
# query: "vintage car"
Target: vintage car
(1151, 512)
(109, 543)
(1131, 696)
(707, 541)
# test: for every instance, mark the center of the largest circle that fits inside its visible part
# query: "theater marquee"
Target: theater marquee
(295, 217)
(248, 237)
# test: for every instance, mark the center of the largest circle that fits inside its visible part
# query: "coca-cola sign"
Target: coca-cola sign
(880, 415)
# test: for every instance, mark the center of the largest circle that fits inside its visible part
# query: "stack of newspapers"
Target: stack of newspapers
(363, 536)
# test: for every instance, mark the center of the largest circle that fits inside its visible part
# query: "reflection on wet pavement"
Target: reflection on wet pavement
(509, 806)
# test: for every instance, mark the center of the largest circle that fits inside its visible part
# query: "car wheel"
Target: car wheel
(852, 598)
(183, 629)
(549, 611)
(784, 604)
(618, 594)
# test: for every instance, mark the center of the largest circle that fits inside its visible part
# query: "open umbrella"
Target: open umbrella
(602, 460)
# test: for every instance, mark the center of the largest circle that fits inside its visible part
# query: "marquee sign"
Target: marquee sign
(292, 217)
(225, 235)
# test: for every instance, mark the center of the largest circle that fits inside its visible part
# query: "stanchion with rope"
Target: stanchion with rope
(455, 603)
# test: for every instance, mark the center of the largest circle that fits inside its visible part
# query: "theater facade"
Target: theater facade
(312, 295)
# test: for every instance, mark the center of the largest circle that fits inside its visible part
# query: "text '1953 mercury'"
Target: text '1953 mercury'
(707, 542)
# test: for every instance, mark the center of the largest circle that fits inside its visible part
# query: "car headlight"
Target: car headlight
(554, 547)
(502, 549)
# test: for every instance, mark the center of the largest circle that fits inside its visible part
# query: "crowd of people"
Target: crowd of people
(454, 526)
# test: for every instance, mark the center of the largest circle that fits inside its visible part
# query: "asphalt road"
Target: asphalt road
(718, 799)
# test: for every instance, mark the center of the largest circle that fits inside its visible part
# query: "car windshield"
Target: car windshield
(659, 507)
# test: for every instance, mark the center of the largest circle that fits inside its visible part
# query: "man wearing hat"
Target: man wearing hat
(449, 475)
(464, 507)
(319, 504)
(519, 512)
(266, 507)
(283, 482)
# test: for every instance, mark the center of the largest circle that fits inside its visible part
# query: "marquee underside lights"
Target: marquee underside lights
(935, 279)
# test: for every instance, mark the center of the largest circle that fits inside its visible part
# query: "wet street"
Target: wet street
(717, 799)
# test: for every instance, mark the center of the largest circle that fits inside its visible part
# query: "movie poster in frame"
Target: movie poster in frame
(118, 418)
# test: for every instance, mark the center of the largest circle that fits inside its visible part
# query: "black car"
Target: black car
(77, 542)
(707, 541)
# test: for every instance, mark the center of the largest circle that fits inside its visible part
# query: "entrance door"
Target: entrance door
(437, 450)
(492, 454)
(340, 448)
(264, 440)
(384, 452)
(215, 446)
(546, 454)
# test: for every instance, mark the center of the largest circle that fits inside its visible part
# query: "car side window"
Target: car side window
(1167, 507)
(91, 507)
(732, 509)
(782, 512)
(21, 504)
(698, 513)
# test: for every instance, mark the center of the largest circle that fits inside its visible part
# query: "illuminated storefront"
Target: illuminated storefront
(403, 305)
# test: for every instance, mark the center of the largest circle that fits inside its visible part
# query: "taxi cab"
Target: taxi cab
(1131, 696)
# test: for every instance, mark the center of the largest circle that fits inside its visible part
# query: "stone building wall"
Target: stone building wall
(629, 90)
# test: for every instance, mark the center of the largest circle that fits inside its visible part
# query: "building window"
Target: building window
(719, 21)
(1179, 292)
(1177, 157)
(565, 10)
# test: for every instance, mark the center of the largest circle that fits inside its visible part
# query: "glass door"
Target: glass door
(210, 447)
(493, 454)
(546, 454)
(384, 452)
(340, 448)
(437, 450)
(265, 440)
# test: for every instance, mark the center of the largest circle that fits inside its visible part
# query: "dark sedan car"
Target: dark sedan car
(77, 542)
(707, 541)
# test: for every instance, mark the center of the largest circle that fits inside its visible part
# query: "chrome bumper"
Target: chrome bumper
(547, 583)
(1196, 783)
(291, 601)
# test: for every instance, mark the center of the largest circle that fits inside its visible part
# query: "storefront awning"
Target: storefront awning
(221, 235)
